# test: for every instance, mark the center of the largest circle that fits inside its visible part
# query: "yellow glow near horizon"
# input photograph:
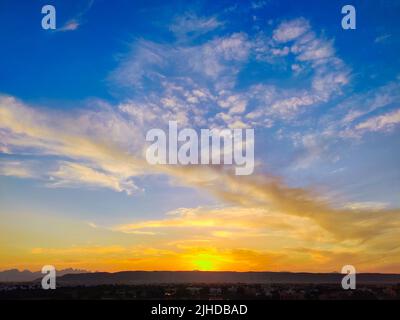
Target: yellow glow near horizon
(245, 240)
(204, 262)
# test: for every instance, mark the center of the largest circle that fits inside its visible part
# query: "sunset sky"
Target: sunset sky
(76, 103)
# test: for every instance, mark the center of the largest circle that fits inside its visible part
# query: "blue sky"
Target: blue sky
(324, 102)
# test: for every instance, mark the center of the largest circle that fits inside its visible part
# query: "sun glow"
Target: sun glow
(205, 262)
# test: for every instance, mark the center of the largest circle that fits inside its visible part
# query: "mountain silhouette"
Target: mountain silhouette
(14, 275)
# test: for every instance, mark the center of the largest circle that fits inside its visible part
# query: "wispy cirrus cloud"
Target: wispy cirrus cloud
(189, 26)
(93, 161)
(259, 4)
(70, 25)
(15, 168)
(383, 38)
(70, 174)
(99, 163)
(217, 60)
(74, 23)
(383, 122)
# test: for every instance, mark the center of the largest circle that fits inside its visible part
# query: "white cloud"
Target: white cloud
(145, 62)
(71, 174)
(91, 141)
(74, 23)
(16, 168)
(218, 60)
(383, 122)
(362, 104)
(218, 57)
(314, 55)
(280, 52)
(368, 205)
(291, 30)
(234, 103)
(70, 26)
(355, 116)
(259, 4)
(189, 26)
(382, 38)
(176, 70)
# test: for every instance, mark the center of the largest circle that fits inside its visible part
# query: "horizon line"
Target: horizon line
(204, 271)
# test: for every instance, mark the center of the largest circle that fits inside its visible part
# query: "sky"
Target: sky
(76, 103)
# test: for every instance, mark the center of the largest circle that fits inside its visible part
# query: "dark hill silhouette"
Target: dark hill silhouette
(165, 277)
(14, 275)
